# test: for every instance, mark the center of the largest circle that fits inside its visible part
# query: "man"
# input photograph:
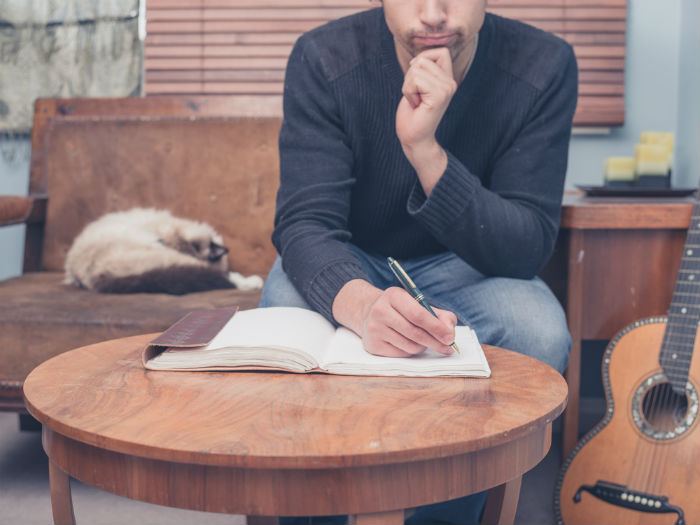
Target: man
(432, 132)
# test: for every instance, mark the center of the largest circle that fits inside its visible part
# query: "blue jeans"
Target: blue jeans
(517, 314)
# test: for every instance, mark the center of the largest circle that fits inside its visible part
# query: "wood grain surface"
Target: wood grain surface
(609, 213)
(101, 396)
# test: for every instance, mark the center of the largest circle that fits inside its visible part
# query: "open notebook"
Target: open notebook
(295, 340)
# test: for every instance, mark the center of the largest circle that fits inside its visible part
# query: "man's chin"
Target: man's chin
(455, 47)
(417, 50)
(454, 51)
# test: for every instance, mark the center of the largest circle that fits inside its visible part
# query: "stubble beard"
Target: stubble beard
(456, 48)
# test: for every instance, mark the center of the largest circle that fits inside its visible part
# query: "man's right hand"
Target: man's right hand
(391, 322)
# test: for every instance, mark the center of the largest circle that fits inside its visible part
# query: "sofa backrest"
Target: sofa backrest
(200, 158)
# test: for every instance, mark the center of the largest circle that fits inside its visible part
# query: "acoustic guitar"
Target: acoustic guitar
(641, 463)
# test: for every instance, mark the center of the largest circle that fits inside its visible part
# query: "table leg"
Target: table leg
(61, 500)
(502, 503)
(393, 517)
(574, 319)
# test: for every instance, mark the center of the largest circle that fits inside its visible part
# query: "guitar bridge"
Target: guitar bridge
(621, 496)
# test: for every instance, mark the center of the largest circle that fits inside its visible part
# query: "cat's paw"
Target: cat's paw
(252, 282)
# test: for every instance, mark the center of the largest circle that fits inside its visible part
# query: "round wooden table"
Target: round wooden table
(276, 444)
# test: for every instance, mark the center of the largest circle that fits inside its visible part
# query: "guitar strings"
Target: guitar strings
(659, 447)
(656, 411)
(665, 404)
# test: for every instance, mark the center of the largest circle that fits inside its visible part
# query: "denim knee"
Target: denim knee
(550, 344)
(279, 290)
(544, 336)
(520, 315)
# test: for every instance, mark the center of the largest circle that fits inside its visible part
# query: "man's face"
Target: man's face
(421, 24)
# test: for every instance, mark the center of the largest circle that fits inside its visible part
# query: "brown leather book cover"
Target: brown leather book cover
(195, 329)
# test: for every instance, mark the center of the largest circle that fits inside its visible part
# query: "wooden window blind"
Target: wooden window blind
(240, 47)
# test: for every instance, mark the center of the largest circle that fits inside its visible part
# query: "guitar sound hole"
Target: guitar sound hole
(663, 408)
(659, 412)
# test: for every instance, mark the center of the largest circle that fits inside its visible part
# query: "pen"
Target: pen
(411, 288)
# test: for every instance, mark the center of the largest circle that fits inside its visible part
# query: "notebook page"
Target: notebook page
(292, 338)
(286, 328)
(347, 356)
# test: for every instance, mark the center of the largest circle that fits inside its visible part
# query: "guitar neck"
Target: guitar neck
(684, 312)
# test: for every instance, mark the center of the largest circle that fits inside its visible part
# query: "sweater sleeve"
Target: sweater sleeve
(508, 226)
(313, 202)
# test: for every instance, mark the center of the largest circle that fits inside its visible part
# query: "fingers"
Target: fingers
(429, 79)
(426, 77)
(424, 328)
(398, 326)
(440, 56)
(448, 318)
(411, 94)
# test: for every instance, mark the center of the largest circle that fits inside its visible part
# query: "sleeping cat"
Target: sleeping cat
(149, 250)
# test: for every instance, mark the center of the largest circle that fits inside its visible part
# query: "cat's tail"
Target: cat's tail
(177, 280)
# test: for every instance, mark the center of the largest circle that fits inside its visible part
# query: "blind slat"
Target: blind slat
(216, 63)
(594, 38)
(216, 75)
(597, 77)
(154, 39)
(228, 26)
(284, 13)
(164, 51)
(492, 4)
(154, 5)
(561, 13)
(589, 88)
(583, 51)
(220, 88)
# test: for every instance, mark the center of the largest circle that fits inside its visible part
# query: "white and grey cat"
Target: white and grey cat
(149, 250)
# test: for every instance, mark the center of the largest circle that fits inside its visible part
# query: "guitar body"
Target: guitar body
(646, 447)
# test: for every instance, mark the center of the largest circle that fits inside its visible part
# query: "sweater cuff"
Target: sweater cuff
(328, 282)
(447, 201)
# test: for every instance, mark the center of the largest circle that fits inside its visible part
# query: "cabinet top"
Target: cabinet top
(582, 212)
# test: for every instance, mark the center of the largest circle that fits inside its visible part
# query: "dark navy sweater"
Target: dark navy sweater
(344, 177)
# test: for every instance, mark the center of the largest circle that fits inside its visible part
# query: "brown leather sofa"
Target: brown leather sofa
(203, 158)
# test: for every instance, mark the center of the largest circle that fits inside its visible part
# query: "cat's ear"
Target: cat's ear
(216, 251)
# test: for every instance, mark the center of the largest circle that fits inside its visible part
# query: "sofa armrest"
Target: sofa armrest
(15, 209)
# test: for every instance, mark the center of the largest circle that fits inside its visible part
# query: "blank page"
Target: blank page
(347, 356)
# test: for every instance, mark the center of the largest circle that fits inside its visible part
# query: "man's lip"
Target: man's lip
(435, 40)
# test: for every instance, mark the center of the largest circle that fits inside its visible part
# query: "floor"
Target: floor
(24, 490)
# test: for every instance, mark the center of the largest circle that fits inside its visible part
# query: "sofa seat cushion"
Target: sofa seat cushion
(41, 317)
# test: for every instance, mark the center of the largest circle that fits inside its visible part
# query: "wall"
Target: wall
(688, 107)
(663, 94)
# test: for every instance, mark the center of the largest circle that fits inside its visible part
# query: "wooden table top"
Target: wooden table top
(582, 212)
(100, 395)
